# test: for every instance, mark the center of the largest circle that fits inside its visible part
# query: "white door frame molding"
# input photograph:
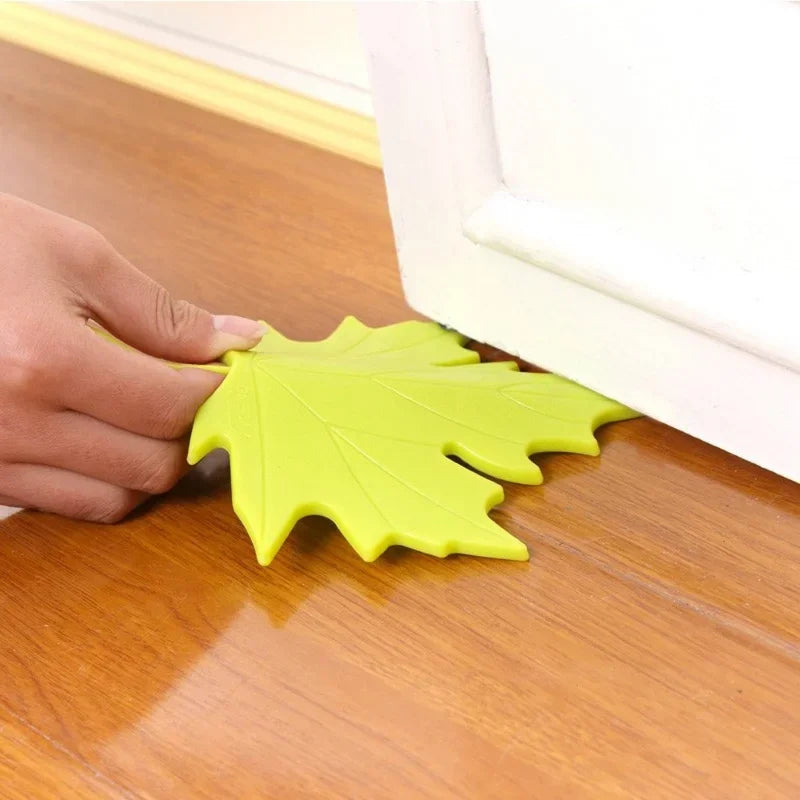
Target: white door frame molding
(547, 287)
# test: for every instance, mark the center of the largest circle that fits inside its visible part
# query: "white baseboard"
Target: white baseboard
(199, 83)
(311, 48)
(735, 400)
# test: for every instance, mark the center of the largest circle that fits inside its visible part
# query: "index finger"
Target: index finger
(131, 390)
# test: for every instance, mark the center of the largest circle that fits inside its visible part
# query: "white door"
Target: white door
(611, 191)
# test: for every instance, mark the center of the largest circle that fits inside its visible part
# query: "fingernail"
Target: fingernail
(242, 328)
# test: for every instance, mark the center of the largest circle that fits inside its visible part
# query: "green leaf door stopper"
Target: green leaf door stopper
(357, 428)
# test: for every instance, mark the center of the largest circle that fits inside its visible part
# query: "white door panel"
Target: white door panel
(610, 191)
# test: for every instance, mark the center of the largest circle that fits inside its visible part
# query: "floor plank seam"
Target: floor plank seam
(110, 782)
(712, 613)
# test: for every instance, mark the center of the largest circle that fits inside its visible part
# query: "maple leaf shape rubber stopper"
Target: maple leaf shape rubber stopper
(358, 427)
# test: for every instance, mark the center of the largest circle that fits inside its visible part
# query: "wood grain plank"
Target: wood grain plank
(683, 518)
(649, 649)
(33, 766)
(311, 677)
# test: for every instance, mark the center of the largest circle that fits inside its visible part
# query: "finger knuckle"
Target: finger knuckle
(26, 369)
(110, 515)
(159, 474)
(172, 317)
(173, 420)
(107, 511)
(84, 248)
(31, 367)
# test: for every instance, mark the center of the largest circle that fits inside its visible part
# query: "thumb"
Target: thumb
(143, 314)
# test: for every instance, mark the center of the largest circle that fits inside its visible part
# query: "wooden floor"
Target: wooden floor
(650, 649)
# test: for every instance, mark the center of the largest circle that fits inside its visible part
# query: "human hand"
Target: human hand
(88, 429)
